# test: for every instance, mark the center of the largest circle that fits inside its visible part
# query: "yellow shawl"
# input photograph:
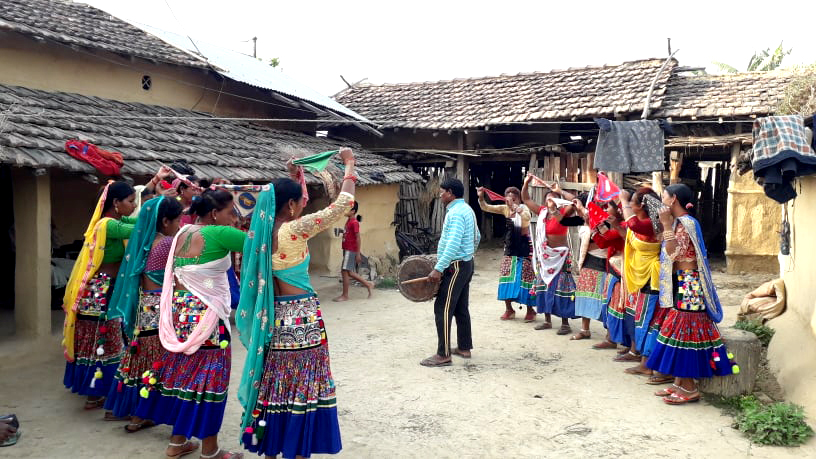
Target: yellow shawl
(90, 257)
(641, 263)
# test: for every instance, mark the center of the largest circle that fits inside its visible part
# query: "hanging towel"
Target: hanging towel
(629, 146)
(316, 162)
(781, 152)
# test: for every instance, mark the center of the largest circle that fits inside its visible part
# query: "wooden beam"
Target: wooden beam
(533, 162)
(593, 174)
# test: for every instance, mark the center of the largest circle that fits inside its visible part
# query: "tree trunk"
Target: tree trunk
(747, 350)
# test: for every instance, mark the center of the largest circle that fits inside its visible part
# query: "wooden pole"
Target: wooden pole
(676, 165)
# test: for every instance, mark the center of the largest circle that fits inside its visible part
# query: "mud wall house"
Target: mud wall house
(70, 71)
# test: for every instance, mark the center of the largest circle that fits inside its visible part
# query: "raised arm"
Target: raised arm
(493, 209)
(525, 196)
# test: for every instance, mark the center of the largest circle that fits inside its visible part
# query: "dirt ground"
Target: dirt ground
(525, 393)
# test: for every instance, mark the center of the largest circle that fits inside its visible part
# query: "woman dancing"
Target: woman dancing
(689, 345)
(287, 390)
(135, 301)
(516, 276)
(91, 342)
(555, 286)
(187, 387)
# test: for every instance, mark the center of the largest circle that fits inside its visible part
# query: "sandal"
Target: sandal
(680, 398)
(667, 391)
(188, 446)
(564, 330)
(94, 404)
(543, 326)
(605, 344)
(658, 379)
(221, 454)
(461, 353)
(583, 334)
(432, 362)
(640, 371)
(133, 427)
(530, 317)
(110, 417)
(627, 357)
(508, 315)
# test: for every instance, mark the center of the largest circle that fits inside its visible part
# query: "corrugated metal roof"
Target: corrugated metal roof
(249, 70)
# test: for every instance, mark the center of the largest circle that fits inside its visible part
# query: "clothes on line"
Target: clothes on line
(629, 146)
(781, 153)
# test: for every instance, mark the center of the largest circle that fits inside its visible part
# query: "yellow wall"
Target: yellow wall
(753, 222)
(52, 67)
(792, 352)
(377, 205)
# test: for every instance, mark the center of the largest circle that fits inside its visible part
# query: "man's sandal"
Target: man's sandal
(188, 447)
(221, 454)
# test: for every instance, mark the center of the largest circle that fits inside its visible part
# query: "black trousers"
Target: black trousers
(452, 302)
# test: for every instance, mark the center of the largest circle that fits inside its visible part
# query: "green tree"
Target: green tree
(761, 61)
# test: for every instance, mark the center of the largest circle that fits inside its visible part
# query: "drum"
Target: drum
(414, 267)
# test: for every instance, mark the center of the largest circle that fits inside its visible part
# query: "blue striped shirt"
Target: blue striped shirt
(460, 236)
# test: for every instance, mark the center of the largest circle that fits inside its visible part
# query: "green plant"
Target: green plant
(777, 424)
(733, 405)
(763, 332)
(387, 283)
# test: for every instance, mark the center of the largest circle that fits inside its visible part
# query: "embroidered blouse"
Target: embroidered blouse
(643, 229)
(293, 236)
(157, 260)
(117, 232)
(684, 250)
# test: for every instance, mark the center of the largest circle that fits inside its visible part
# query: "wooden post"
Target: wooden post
(747, 350)
(593, 174)
(463, 174)
(676, 165)
(533, 162)
(616, 177)
(657, 182)
(563, 167)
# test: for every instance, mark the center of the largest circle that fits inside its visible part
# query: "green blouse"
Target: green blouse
(117, 232)
(218, 242)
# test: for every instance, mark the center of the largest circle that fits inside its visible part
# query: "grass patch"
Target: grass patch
(763, 332)
(387, 283)
(772, 424)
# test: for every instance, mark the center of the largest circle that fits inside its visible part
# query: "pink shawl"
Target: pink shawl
(207, 281)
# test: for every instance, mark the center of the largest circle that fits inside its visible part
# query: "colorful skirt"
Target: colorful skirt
(655, 324)
(296, 399)
(558, 298)
(98, 343)
(689, 344)
(141, 353)
(190, 391)
(642, 305)
(621, 326)
(590, 292)
(517, 280)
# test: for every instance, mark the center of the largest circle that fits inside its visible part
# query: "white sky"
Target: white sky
(420, 40)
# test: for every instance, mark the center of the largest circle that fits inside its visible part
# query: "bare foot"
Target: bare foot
(341, 298)
(369, 286)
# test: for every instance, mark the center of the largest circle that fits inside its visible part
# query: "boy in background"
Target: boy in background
(351, 254)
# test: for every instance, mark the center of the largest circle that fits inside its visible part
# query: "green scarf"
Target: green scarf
(316, 162)
(124, 301)
(256, 310)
